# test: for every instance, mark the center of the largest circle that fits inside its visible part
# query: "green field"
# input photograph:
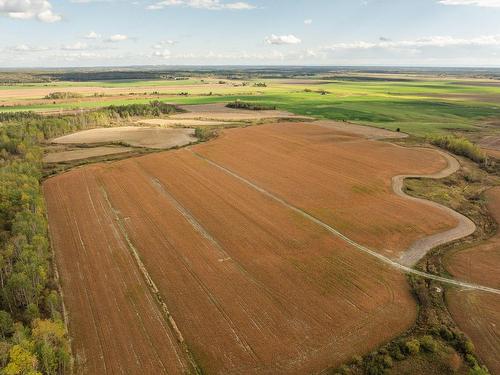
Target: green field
(419, 107)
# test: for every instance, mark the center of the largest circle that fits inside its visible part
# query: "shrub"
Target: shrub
(321, 92)
(356, 360)
(460, 146)
(237, 104)
(464, 344)
(471, 360)
(154, 108)
(387, 361)
(63, 95)
(469, 346)
(396, 352)
(428, 344)
(374, 365)
(412, 346)
(446, 334)
(204, 134)
(478, 370)
(343, 370)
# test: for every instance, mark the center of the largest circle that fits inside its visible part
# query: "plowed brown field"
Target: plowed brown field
(478, 314)
(253, 286)
(338, 177)
(115, 322)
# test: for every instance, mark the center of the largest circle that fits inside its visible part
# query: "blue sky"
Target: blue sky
(54, 33)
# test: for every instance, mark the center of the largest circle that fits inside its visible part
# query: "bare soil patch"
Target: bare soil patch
(151, 137)
(83, 153)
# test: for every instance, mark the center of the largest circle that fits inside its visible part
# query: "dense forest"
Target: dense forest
(33, 337)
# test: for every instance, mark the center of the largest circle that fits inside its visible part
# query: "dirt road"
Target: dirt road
(356, 245)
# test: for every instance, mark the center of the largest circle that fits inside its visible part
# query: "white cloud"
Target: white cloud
(29, 9)
(202, 4)
(165, 54)
(433, 41)
(27, 48)
(117, 38)
(78, 46)
(479, 3)
(282, 39)
(92, 35)
(308, 22)
(161, 44)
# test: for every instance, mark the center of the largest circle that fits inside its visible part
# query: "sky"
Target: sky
(85, 33)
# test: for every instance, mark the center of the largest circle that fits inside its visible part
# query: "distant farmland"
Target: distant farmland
(248, 285)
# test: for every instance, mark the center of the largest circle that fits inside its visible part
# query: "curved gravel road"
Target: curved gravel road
(465, 226)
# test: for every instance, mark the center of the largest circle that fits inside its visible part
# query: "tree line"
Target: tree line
(33, 337)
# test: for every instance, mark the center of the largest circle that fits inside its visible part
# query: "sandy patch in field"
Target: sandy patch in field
(133, 135)
(477, 313)
(181, 122)
(83, 153)
(219, 111)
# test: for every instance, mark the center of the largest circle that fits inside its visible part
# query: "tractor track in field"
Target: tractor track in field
(451, 168)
